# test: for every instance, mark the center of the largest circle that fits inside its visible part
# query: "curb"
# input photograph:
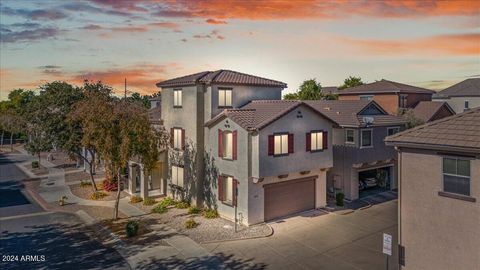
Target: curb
(245, 238)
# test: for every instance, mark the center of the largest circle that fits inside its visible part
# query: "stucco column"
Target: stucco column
(131, 178)
(321, 189)
(143, 183)
(354, 193)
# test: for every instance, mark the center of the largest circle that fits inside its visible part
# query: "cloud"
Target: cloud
(92, 27)
(213, 21)
(134, 28)
(28, 35)
(36, 14)
(213, 34)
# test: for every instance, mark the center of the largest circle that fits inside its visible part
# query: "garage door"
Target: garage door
(289, 197)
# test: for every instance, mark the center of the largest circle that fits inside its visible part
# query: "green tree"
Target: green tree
(142, 100)
(351, 81)
(409, 116)
(291, 96)
(308, 90)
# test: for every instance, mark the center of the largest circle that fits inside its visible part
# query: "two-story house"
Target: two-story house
(428, 111)
(190, 101)
(439, 193)
(392, 96)
(362, 163)
(271, 159)
(461, 96)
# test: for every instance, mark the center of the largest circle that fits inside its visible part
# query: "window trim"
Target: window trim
(183, 180)
(390, 128)
(311, 146)
(467, 103)
(280, 134)
(224, 132)
(181, 98)
(453, 194)
(346, 136)
(224, 178)
(225, 97)
(371, 138)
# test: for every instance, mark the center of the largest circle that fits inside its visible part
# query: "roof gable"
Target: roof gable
(426, 110)
(467, 88)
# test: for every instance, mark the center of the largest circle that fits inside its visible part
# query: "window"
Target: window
(227, 188)
(177, 98)
(281, 144)
(227, 144)
(177, 138)
(466, 105)
(366, 97)
(349, 136)
(403, 101)
(316, 141)
(366, 138)
(392, 130)
(224, 97)
(177, 176)
(456, 176)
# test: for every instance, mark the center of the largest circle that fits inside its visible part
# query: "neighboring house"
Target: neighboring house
(360, 157)
(190, 101)
(428, 111)
(439, 193)
(392, 96)
(271, 158)
(461, 96)
(330, 90)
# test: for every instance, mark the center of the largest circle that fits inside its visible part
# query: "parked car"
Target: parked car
(367, 183)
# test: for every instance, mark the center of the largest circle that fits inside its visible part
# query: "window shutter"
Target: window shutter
(271, 144)
(234, 146)
(183, 139)
(220, 143)
(234, 197)
(220, 188)
(325, 140)
(308, 142)
(171, 137)
(290, 143)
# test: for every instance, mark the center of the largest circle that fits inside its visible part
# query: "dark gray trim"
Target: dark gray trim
(457, 196)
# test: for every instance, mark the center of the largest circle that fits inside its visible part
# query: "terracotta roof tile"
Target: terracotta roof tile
(384, 86)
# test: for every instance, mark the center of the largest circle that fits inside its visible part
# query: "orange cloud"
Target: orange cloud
(213, 21)
(455, 44)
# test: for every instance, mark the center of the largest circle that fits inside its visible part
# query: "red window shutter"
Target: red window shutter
(220, 188)
(234, 146)
(308, 142)
(234, 197)
(183, 139)
(325, 140)
(290, 143)
(171, 137)
(220, 143)
(271, 145)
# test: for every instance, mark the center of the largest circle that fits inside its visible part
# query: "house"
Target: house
(391, 96)
(428, 111)
(362, 163)
(187, 103)
(439, 192)
(461, 96)
(271, 159)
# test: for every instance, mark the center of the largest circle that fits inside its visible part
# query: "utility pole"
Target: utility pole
(125, 89)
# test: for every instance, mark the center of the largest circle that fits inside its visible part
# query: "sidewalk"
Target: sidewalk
(169, 244)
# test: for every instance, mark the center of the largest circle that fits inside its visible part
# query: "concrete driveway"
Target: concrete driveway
(315, 240)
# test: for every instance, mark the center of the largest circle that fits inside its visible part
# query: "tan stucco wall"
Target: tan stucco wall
(458, 103)
(437, 232)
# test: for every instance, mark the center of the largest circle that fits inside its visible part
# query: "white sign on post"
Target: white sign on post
(387, 244)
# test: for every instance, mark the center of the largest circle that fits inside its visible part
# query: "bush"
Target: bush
(182, 205)
(35, 164)
(190, 223)
(97, 195)
(84, 184)
(167, 202)
(159, 209)
(193, 210)
(135, 199)
(110, 185)
(339, 198)
(131, 228)
(210, 213)
(149, 201)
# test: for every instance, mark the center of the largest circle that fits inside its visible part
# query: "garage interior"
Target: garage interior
(374, 181)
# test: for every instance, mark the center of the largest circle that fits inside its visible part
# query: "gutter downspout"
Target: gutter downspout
(399, 180)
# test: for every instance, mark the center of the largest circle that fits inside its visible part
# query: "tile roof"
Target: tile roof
(458, 132)
(466, 88)
(329, 89)
(384, 86)
(426, 110)
(221, 76)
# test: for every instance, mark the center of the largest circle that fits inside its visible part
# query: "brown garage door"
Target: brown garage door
(289, 197)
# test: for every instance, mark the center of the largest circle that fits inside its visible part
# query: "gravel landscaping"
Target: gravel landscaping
(37, 171)
(86, 192)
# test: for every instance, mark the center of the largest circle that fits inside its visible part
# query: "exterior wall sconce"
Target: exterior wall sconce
(257, 180)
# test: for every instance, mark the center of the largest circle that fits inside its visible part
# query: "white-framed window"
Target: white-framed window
(349, 136)
(177, 138)
(366, 138)
(227, 191)
(177, 175)
(403, 101)
(316, 140)
(392, 130)
(280, 144)
(224, 97)
(177, 97)
(366, 97)
(456, 175)
(227, 144)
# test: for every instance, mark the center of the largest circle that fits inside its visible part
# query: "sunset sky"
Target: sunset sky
(425, 43)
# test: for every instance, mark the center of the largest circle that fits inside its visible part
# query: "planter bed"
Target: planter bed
(86, 192)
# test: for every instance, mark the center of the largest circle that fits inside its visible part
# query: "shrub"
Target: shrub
(110, 185)
(210, 213)
(182, 205)
(35, 164)
(84, 184)
(193, 210)
(131, 228)
(339, 198)
(190, 223)
(97, 195)
(167, 202)
(135, 199)
(149, 201)
(159, 209)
